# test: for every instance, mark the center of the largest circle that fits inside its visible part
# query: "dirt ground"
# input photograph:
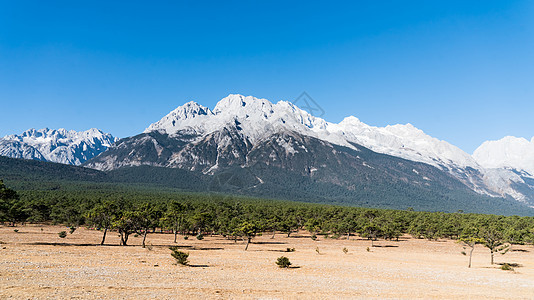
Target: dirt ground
(36, 264)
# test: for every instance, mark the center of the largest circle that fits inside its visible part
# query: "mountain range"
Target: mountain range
(61, 146)
(253, 146)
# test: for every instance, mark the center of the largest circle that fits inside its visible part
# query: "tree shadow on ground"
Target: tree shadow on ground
(268, 243)
(207, 248)
(198, 266)
(109, 245)
(519, 250)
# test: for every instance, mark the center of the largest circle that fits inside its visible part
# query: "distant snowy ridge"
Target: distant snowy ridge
(509, 152)
(61, 146)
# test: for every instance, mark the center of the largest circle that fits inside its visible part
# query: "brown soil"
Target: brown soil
(35, 263)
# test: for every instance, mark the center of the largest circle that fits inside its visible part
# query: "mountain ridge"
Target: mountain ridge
(196, 138)
(61, 145)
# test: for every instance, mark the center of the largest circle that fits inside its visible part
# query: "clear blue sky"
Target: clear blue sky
(462, 71)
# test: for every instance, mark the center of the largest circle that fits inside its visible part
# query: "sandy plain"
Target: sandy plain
(36, 264)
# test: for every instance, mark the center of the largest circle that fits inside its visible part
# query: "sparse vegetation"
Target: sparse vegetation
(506, 267)
(283, 262)
(136, 213)
(62, 234)
(345, 250)
(180, 256)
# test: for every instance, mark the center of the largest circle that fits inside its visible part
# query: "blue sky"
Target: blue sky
(462, 71)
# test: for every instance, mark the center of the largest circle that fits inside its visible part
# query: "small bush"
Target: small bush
(186, 237)
(283, 262)
(290, 249)
(16, 230)
(200, 236)
(463, 253)
(62, 234)
(72, 229)
(314, 237)
(317, 250)
(180, 256)
(506, 267)
(345, 250)
(368, 249)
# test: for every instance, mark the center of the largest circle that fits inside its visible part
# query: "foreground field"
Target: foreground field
(36, 263)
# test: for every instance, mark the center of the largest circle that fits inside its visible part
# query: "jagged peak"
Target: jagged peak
(234, 103)
(57, 145)
(190, 109)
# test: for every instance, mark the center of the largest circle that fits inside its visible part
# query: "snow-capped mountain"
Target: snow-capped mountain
(509, 152)
(239, 128)
(61, 146)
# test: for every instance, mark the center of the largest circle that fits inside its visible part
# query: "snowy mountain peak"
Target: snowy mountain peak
(351, 120)
(508, 152)
(259, 117)
(240, 105)
(61, 145)
(182, 117)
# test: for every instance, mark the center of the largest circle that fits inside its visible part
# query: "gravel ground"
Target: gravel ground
(36, 264)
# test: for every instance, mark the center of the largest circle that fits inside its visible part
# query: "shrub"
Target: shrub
(16, 230)
(314, 237)
(180, 256)
(72, 229)
(345, 250)
(200, 236)
(186, 237)
(463, 253)
(290, 249)
(368, 249)
(506, 267)
(283, 262)
(62, 234)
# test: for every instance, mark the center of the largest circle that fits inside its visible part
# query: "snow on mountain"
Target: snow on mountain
(61, 146)
(405, 141)
(257, 119)
(509, 152)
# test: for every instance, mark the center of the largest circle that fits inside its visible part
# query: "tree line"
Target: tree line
(238, 217)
